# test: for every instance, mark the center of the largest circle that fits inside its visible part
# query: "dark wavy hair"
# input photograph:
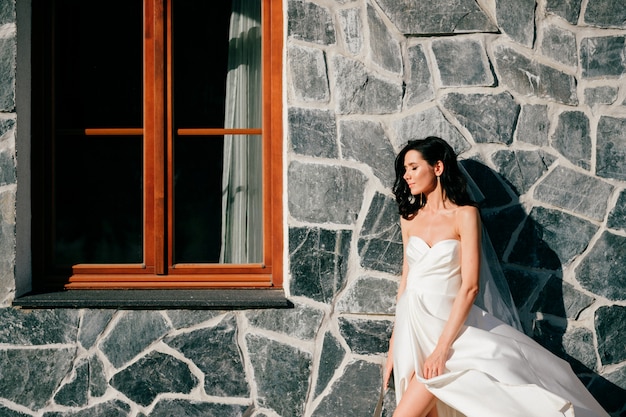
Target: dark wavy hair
(453, 181)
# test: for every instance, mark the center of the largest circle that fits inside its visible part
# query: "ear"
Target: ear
(439, 168)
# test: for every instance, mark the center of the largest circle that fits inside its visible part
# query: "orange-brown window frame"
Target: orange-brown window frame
(158, 270)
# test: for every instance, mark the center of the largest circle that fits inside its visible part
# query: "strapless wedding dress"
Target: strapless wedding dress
(493, 370)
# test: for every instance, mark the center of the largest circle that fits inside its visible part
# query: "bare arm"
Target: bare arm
(468, 224)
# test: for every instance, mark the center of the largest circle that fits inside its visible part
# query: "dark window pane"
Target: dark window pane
(98, 208)
(204, 53)
(197, 199)
(98, 54)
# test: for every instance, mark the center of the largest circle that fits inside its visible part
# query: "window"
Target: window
(157, 161)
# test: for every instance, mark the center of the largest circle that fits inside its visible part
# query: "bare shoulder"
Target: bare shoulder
(468, 212)
(467, 216)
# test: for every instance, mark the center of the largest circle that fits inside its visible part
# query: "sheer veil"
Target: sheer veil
(494, 295)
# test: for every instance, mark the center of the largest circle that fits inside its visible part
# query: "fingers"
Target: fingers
(432, 371)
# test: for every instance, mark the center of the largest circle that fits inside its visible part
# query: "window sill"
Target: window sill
(202, 299)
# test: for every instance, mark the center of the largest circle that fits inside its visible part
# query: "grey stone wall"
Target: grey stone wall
(531, 95)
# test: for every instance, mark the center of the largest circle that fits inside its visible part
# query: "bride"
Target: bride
(449, 357)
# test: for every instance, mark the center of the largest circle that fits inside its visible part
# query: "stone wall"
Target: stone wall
(530, 94)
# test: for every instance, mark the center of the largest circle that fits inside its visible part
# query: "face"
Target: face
(418, 174)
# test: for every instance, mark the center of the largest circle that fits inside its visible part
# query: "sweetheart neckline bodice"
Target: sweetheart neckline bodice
(434, 244)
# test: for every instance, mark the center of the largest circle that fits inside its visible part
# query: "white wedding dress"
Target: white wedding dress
(493, 370)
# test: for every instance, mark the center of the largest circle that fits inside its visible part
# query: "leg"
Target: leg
(416, 401)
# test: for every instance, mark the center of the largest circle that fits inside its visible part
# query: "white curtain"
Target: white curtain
(242, 184)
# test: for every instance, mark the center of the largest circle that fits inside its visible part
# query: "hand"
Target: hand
(387, 370)
(435, 364)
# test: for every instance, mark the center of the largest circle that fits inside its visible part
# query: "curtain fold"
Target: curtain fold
(242, 182)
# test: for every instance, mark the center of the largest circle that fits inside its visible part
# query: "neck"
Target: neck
(436, 200)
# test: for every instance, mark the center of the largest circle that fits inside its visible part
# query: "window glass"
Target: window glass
(98, 56)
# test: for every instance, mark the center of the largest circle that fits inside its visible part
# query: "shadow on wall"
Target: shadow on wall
(532, 249)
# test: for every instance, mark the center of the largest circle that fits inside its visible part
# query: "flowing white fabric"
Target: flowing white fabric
(242, 183)
(493, 370)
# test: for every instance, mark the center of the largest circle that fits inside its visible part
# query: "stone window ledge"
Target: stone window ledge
(195, 299)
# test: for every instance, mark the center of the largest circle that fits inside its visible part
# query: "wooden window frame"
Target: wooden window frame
(157, 270)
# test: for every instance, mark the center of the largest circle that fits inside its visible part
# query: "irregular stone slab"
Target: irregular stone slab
(551, 239)
(325, 193)
(156, 373)
(605, 94)
(174, 408)
(134, 332)
(578, 344)
(216, 352)
(313, 132)
(364, 336)
(352, 27)
(567, 9)
(366, 141)
(318, 262)
(560, 45)
(74, 393)
(611, 148)
(310, 22)
(523, 285)
(309, 78)
(530, 78)
(389, 402)
(354, 394)
(462, 63)
(618, 378)
(488, 182)
(608, 393)
(415, 17)
(282, 373)
(522, 168)
(7, 127)
(92, 325)
(419, 87)
(7, 12)
(603, 271)
(369, 295)
(380, 242)
(558, 341)
(384, 48)
(572, 139)
(606, 14)
(429, 122)
(8, 53)
(561, 299)
(98, 385)
(617, 216)
(7, 167)
(611, 334)
(603, 56)
(358, 91)
(330, 359)
(188, 318)
(29, 377)
(38, 327)
(516, 18)
(113, 408)
(574, 191)
(489, 118)
(301, 322)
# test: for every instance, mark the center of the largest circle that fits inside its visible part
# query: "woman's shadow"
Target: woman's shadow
(533, 267)
(532, 262)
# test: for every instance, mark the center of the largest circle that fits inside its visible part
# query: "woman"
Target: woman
(449, 357)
